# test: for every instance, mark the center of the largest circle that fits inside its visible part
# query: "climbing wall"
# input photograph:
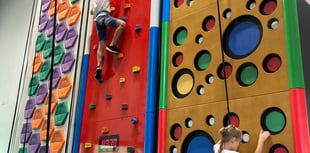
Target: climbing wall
(32, 129)
(114, 110)
(249, 71)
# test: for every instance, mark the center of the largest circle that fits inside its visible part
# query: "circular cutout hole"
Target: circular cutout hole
(178, 3)
(180, 36)
(177, 59)
(183, 83)
(245, 137)
(234, 119)
(278, 148)
(242, 36)
(273, 120)
(199, 39)
(200, 90)
(208, 23)
(272, 63)
(273, 23)
(267, 7)
(227, 13)
(188, 122)
(209, 79)
(176, 132)
(251, 5)
(210, 120)
(247, 74)
(190, 2)
(173, 149)
(197, 142)
(202, 60)
(224, 70)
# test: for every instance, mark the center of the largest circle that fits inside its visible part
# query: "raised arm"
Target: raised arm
(263, 135)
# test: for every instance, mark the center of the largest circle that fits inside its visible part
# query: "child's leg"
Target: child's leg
(100, 52)
(120, 24)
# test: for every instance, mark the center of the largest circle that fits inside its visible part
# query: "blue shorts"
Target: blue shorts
(101, 25)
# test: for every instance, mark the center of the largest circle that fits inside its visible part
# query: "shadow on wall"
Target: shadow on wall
(303, 7)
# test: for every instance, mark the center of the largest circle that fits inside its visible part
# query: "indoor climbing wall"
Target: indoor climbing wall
(32, 135)
(248, 73)
(114, 110)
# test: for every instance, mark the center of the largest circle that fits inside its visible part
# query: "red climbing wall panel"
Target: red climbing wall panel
(121, 87)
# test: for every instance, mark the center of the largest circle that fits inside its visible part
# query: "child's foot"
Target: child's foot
(113, 49)
(98, 74)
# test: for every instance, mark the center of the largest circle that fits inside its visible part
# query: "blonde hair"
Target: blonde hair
(227, 133)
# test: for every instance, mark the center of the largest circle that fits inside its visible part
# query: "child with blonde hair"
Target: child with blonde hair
(231, 137)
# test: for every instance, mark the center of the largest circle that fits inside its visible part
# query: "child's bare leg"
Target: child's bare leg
(120, 27)
(100, 52)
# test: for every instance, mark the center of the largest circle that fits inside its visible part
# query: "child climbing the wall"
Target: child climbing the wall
(101, 11)
(231, 137)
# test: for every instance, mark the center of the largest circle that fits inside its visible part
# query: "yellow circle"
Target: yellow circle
(185, 84)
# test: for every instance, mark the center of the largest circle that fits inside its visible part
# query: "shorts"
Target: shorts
(101, 23)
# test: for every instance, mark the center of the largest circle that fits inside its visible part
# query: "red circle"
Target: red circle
(210, 24)
(280, 150)
(273, 64)
(177, 132)
(269, 7)
(179, 3)
(178, 60)
(234, 120)
(228, 70)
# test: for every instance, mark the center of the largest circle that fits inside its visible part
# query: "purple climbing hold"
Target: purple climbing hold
(56, 78)
(50, 27)
(45, 4)
(41, 94)
(26, 133)
(68, 62)
(34, 143)
(61, 31)
(42, 149)
(71, 38)
(43, 22)
(30, 107)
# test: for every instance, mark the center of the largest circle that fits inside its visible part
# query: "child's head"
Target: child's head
(230, 137)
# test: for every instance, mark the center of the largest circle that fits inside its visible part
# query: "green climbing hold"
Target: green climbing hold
(33, 86)
(61, 113)
(40, 42)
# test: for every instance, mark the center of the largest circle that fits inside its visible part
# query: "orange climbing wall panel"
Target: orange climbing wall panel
(124, 126)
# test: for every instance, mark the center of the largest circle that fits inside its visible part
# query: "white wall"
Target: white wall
(14, 23)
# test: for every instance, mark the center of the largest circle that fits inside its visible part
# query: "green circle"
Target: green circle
(204, 61)
(275, 121)
(181, 36)
(249, 75)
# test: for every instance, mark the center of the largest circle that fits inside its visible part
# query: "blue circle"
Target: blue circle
(242, 36)
(200, 144)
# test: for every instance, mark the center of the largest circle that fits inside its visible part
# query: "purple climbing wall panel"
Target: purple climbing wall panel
(35, 95)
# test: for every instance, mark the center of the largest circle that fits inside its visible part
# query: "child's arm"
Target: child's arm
(263, 135)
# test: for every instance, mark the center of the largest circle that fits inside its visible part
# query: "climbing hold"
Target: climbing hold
(134, 121)
(87, 145)
(138, 27)
(135, 69)
(123, 18)
(122, 80)
(112, 8)
(105, 130)
(124, 106)
(120, 55)
(92, 106)
(95, 47)
(108, 96)
(130, 149)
